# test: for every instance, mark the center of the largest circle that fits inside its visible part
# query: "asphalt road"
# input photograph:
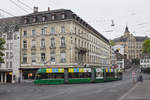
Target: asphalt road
(93, 91)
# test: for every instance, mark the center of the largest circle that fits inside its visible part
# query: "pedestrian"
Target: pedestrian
(141, 78)
(134, 77)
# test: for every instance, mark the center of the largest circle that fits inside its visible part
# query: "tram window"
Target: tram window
(42, 76)
(56, 75)
(50, 75)
(110, 74)
(80, 75)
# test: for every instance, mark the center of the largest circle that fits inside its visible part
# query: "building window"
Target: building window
(7, 64)
(52, 42)
(62, 29)
(34, 19)
(63, 16)
(25, 20)
(24, 58)
(44, 18)
(25, 33)
(11, 55)
(63, 57)
(24, 44)
(43, 31)
(43, 43)
(42, 57)
(33, 43)
(53, 17)
(52, 56)
(33, 58)
(62, 41)
(52, 30)
(75, 42)
(7, 46)
(33, 32)
(11, 46)
(10, 64)
(15, 37)
(7, 55)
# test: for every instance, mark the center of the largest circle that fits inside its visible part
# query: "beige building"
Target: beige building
(132, 44)
(60, 38)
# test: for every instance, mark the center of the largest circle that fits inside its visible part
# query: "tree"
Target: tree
(136, 61)
(2, 42)
(146, 46)
(112, 43)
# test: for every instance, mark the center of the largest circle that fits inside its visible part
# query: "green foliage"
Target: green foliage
(2, 42)
(146, 46)
(136, 61)
(112, 43)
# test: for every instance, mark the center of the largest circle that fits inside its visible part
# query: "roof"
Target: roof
(120, 39)
(69, 15)
(9, 23)
(141, 38)
(124, 39)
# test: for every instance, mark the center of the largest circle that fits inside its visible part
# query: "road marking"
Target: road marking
(128, 92)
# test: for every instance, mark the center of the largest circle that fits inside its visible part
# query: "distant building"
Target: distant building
(132, 44)
(120, 60)
(145, 62)
(113, 58)
(9, 71)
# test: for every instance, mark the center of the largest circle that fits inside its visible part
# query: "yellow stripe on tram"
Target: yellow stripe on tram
(49, 70)
(61, 70)
(71, 70)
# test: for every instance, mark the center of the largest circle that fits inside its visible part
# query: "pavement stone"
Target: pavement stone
(141, 91)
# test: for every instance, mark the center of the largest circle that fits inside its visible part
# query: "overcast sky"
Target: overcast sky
(98, 13)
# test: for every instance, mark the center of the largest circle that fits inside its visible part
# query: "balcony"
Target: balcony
(63, 46)
(24, 49)
(52, 47)
(33, 48)
(43, 48)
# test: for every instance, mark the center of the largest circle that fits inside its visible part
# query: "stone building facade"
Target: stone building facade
(60, 38)
(9, 71)
(132, 44)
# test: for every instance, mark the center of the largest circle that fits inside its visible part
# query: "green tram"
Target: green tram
(76, 75)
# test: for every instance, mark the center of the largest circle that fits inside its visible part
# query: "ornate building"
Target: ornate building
(132, 44)
(60, 38)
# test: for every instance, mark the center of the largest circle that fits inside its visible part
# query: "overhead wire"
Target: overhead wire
(25, 4)
(18, 6)
(7, 13)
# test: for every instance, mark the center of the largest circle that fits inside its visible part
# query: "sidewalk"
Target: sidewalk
(141, 91)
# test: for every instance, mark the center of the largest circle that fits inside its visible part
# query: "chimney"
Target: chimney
(48, 8)
(35, 10)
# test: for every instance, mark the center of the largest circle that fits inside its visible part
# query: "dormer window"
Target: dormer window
(34, 19)
(53, 17)
(44, 18)
(63, 16)
(25, 20)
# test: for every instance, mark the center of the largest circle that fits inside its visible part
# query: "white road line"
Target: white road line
(123, 96)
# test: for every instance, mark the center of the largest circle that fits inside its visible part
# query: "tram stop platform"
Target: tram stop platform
(140, 91)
